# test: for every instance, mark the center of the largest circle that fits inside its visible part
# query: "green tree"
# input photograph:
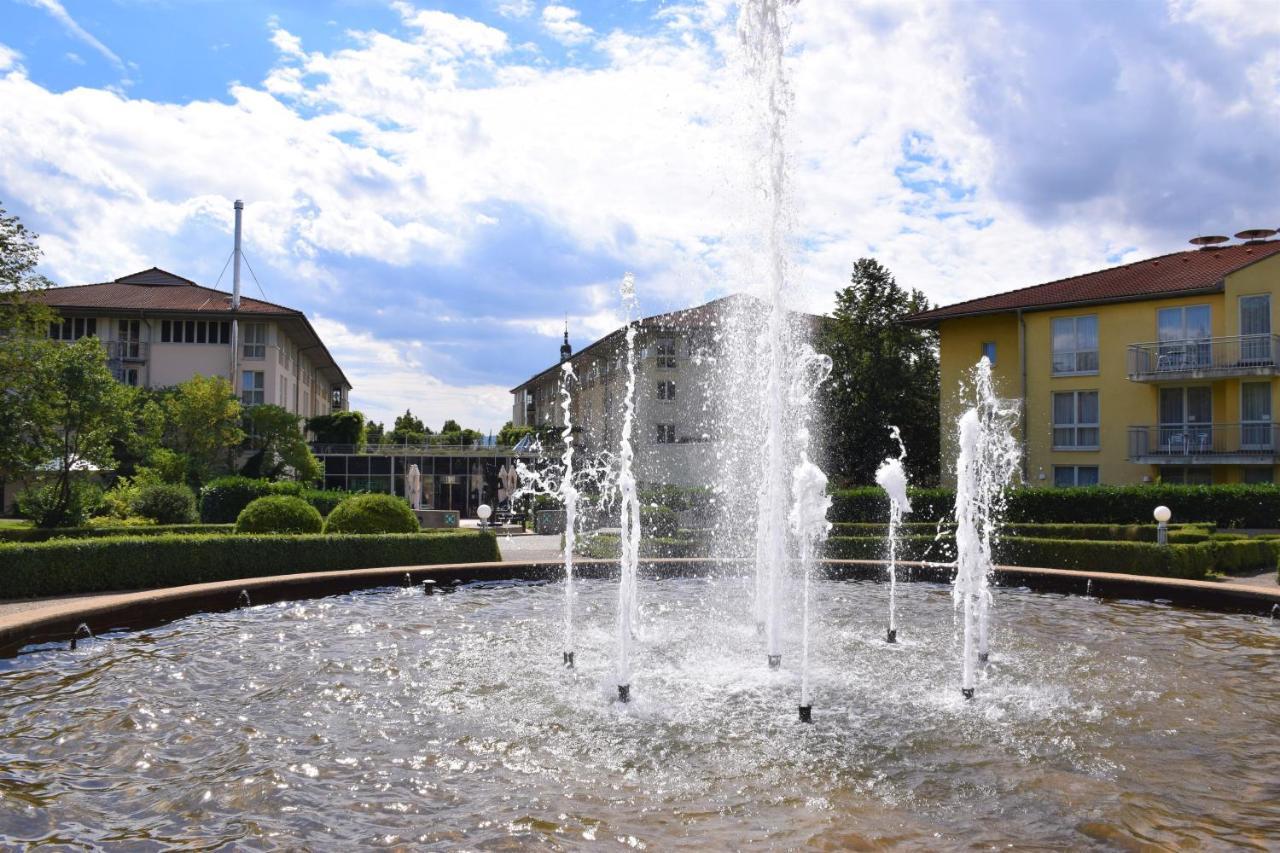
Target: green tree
(408, 430)
(374, 433)
(281, 448)
(883, 373)
(450, 426)
(202, 422)
(338, 428)
(136, 446)
(19, 256)
(510, 434)
(80, 410)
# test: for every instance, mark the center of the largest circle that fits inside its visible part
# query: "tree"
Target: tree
(80, 410)
(510, 434)
(202, 422)
(281, 447)
(408, 430)
(374, 433)
(450, 426)
(19, 256)
(884, 373)
(338, 428)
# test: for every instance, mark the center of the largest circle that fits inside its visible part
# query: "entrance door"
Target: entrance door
(1255, 416)
(1255, 329)
(1186, 420)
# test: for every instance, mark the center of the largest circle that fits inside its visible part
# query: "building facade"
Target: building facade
(673, 430)
(1161, 370)
(160, 329)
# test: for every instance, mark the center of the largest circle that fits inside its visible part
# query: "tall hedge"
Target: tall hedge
(1255, 506)
(63, 567)
(222, 500)
(37, 534)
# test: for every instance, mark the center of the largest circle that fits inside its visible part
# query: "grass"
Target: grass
(14, 522)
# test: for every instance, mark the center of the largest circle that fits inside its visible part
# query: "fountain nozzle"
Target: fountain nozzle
(892, 636)
(983, 657)
(806, 713)
(624, 692)
(966, 692)
(775, 661)
(429, 587)
(568, 660)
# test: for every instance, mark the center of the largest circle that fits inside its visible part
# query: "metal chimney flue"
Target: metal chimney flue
(235, 276)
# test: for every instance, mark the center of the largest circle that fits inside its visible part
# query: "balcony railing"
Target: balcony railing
(126, 350)
(1252, 443)
(1241, 355)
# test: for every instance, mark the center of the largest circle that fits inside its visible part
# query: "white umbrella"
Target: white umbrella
(413, 485)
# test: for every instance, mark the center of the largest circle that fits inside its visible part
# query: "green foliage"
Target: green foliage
(324, 501)
(63, 567)
(658, 522)
(164, 503)
(19, 256)
(674, 497)
(449, 426)
(60, 503)
(606, 546)
(372, 514)
(338, 428)
(202, 423)
(279, 514)
(882, 373)
(281, 447)
(103, 527)
(1254, 506)
(1184, 534)
(510, 435)
(222, 500)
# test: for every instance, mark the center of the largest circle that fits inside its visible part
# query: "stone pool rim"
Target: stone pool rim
(110, 612)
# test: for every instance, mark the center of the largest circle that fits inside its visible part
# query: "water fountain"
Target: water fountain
(892, 477)
(569, 496)
(987, 461)
(629, 515)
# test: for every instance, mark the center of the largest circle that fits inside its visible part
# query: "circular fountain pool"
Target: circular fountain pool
(391, 717)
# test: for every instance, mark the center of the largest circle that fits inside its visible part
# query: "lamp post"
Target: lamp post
(483, 512)
(1162, 516)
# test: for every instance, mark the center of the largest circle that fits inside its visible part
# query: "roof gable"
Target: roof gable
(154, 276)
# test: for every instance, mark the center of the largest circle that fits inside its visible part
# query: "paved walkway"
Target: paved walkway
(1265, 579)
(529, 548)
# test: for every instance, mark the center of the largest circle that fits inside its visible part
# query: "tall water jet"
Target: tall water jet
(629, 516)
(761, 29)
(988, 458)
(569, 496)
(892, 477)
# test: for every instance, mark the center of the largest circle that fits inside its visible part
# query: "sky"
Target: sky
(441, 185)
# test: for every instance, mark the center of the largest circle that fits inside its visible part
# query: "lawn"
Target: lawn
(14, 522)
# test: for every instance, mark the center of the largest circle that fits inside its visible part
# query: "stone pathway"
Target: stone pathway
(529, 548)
(1266, 579)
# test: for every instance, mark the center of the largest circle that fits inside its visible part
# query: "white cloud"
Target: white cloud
(562, 24)
(516, 9)
(389, 376)
(60, 14)
(9, 57)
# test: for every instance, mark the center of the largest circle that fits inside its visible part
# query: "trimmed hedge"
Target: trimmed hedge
(1255, 506)
(36, 534)
(222, 500)
(606, 546)
(659, 522)
(1139, 558)
(279, 514)
(136, 562)
(372, 513)
(165, 503)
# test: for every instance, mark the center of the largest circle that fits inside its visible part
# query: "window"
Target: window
(1256, 432)
(130, 334)
(73, 329)
(1075, 475)
(666, 434)
(1183, 335)
(666, 351)
(989, 352)
(282, 400)
(1075, 344)
(253, 388)
(666, 389)
(1075, 420)
(1254, 476)
(129, 376)
(255, 340)
(1255, 329)
(194, 332)
(1186, 420)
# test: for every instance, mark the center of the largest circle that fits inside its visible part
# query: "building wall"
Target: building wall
(1123, 403)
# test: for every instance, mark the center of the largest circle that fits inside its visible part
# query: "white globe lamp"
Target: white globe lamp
(1162, 515)
(483, 512)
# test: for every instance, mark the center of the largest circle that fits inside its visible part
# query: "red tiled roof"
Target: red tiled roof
(1194, 271)
(153, 290)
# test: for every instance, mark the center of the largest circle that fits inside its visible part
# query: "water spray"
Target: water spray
(629, 519)
(569, 496)
(892, 477)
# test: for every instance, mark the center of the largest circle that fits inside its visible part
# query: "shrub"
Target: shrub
(111, 527)
(657, 522)
(63, 567)
(40, 503)
(222, 500)
(286, 487)
(373, 513)
(606, 546)
(1138, 558)
(324, 501)
(279, 514)
(871, 504)
(165, 503)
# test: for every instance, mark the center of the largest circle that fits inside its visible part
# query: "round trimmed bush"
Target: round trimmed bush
(165, 503)
(279, 514)
(373, 513)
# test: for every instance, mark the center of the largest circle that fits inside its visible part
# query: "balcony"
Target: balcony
(1205, 444)
(1204, 358)
(128, 351)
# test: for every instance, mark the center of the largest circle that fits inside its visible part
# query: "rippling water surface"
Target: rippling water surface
(395, 718)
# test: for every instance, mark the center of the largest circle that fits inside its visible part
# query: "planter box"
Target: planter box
(548, 521)
(435, 518)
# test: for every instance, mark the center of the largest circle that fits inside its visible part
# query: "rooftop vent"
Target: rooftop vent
(1255, 235)
(1207, 242)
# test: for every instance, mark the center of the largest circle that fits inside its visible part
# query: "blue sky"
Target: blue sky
(439, 184)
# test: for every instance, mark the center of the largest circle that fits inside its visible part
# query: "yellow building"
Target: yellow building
(1165, 369)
